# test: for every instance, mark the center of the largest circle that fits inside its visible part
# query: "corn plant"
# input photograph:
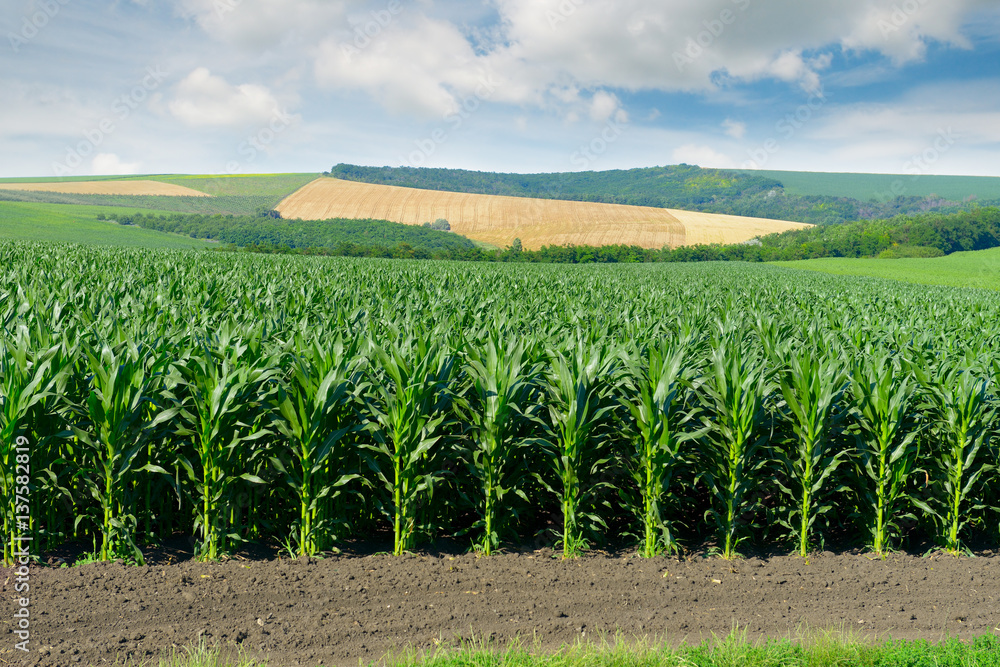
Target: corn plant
(736, 388)
(960, 401)
(114, 426)
(315, 411)
(812, 383)
(408, 398)
(578, 400)
(220, 392)
(657, 386)
(497, 408)
(27, 379)
(883, 408)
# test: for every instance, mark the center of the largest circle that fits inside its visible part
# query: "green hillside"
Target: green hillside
(879, 187)
(79, 224)
(980, 268)
(686, 187)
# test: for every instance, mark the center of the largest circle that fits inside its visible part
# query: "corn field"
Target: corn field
(307, 402)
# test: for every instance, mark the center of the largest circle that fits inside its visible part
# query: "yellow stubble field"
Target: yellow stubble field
(499, 220)
(107, 188)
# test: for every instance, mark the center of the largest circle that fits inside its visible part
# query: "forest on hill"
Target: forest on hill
(681, 186)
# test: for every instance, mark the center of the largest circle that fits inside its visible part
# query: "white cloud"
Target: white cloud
(791, 68)
(205, 100)
(603, 106)
(734, 128)
(259, 25)
(428, 69)
(109, 164)
(703, 156)
(546, 51)
(934, 129)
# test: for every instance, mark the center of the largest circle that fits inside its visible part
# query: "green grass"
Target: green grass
(866, 187)
(79, 224)
(831, 649)
(980, 268)
(822, 650)
(231, 195)
(271, 185)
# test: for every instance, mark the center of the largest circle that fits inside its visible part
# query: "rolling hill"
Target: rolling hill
(498, 220)
(883, 187)
(816, 198)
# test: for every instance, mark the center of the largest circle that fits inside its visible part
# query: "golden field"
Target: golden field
(499, 220)
(107, 188)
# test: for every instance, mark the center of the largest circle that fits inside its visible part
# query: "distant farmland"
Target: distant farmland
(884, 187)
(154, 188)
(498, 220)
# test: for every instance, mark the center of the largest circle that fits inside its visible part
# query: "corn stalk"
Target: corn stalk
(497, 406)
(736, 388)
(578, 389)
(314, 412)
(408, 400)
(221, 390)
(812, 384)
(882, 406)
(964, 413)
(27, 379)
(658, 383)
(113, 433)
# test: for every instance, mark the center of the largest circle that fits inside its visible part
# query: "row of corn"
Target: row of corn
(308, 401)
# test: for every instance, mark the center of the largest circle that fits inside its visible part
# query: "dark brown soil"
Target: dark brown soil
(337, 610)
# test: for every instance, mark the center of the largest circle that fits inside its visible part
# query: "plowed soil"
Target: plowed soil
(108, 188)
(499, 220)
(341, 609)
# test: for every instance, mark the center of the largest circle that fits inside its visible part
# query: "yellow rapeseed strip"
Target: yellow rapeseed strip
(499, 220)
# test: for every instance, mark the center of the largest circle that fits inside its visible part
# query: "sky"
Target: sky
(266, 86)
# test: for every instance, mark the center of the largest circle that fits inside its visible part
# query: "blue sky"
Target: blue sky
(255, 86)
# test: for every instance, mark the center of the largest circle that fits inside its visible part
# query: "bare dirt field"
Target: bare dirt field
(537, 222)
(341, 609)
(108, 188)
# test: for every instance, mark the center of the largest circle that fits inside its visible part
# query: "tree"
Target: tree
(515, 246)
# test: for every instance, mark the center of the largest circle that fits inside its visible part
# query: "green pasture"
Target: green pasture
(979, 268)
(79, 224)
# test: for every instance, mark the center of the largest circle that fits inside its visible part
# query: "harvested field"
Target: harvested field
(107, 188)
(345, 608)
(537, 222)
